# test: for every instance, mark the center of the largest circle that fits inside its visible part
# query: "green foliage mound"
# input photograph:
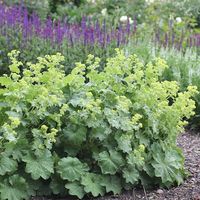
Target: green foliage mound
(91, 132)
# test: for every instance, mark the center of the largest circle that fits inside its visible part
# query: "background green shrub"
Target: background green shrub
(42, 8)
(149, 12)
(90, 132)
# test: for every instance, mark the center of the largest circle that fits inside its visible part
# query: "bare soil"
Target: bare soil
(189, 190)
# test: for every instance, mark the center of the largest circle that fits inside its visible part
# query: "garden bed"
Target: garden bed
(92, 101)
(189, 190)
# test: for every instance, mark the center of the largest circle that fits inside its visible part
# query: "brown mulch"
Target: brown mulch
(189, 190)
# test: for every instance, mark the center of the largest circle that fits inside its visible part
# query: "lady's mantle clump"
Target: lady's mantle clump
(90, 132)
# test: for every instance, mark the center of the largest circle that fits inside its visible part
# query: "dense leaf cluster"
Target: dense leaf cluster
(91, 132)
(183, 67)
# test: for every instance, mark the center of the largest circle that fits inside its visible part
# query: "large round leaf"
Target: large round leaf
(71, 169)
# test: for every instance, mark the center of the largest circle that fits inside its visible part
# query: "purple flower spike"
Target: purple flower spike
(87, 33)
(25, 24)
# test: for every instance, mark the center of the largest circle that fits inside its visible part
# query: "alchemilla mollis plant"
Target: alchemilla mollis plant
(90, 132)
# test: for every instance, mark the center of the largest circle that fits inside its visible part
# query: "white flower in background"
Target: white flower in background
(91, 1)
(130, 20)
(104, 11)
(123, 19)
(178, 20)
(150, 1)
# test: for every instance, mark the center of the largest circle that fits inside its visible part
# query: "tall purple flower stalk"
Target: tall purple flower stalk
(171, 38)
(86, 33)
(17, 20)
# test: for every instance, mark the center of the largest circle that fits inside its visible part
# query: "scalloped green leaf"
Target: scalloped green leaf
(112, 184)
(167, 165)
(92, 184)
(75, 189)
(124, 143)
(7, 165)
(41, 166)
(131, 175)
(71, 169)
(75, 134)
(110, 162)
(14, 188)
